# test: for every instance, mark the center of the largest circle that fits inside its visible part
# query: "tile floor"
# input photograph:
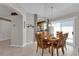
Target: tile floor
(29, 50)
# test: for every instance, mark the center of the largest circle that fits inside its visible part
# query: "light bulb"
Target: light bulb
(49, 25)
(52, 25)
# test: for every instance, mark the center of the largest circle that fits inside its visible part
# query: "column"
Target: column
(35, 25)
(76, 36)
(17, 31)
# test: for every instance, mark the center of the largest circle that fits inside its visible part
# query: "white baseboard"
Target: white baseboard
(2, 39)
(16, 46)
(28, 43)
(22, 45)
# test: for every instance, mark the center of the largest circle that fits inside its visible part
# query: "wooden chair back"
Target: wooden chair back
(65, 36)
(40, 39)
(59, 35)
(47, 35)
(60, 41)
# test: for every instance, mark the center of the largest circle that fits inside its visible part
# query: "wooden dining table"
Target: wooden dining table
(53, 42)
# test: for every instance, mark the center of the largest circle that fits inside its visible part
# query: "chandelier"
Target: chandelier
(51, 17)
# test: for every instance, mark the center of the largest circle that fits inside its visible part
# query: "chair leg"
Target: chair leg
(42, 51)
(37, 49)
(65, 47)
(63, 50)
(57, 52)
(52, 50)
(49, 49)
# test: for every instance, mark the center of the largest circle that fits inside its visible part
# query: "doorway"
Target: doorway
(5, 30)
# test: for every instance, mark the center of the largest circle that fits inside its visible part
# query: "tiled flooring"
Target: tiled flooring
(29, 50)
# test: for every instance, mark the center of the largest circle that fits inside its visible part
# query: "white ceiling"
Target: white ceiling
(44, 9)
(5, 9)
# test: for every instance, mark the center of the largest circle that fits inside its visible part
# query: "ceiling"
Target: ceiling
(44, 9)
(6, 10)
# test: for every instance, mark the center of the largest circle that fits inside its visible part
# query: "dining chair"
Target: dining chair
(58, 34)
(59, 44)
(65, 38)
(41, 43)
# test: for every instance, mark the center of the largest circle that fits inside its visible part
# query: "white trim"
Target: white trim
(1, 39)
(22, 45)
(16, 45)
(29, 43)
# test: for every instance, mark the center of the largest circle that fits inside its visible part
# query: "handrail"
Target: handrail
(5, 19)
